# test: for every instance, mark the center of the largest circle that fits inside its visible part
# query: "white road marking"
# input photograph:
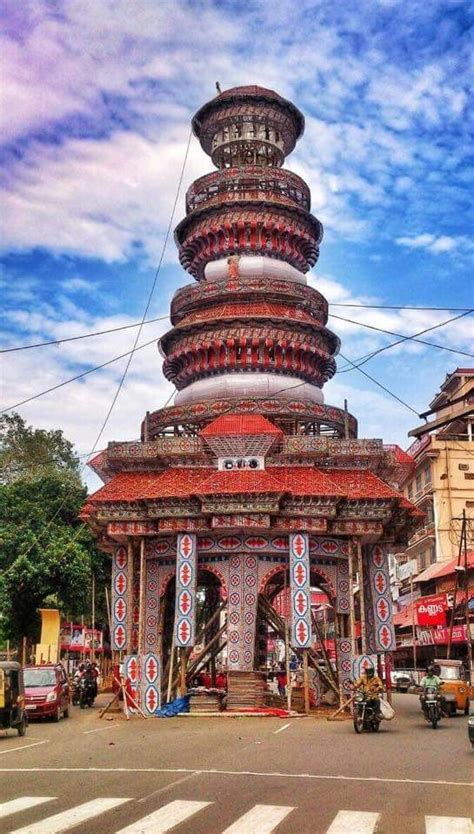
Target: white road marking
(22, 747)
(101, 729)
(357, 822)
(448, 825)
(165, 818)
(72, 817)
(14, 806)
(261, 818)
(280, 729)
(213, 772)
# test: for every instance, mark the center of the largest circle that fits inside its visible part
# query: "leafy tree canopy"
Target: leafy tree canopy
(26, 452)
(46, 554)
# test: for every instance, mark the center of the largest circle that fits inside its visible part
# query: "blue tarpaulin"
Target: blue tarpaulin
(174, 707)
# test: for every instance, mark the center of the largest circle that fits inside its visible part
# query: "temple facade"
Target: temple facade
(249, 483)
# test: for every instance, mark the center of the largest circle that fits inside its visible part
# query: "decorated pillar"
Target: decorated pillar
(242, 613)
(151, 606)
(300, 589)
(119, 598)
(186, 580)
(378, 603)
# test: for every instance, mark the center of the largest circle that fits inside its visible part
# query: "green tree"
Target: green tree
(26, 452)
(47, 556)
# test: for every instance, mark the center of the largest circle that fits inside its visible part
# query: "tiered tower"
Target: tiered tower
(249, 483)
(252, 334)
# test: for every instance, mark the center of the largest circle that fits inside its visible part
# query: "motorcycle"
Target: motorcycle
(86, 693)
(366, 716)
(431, 705)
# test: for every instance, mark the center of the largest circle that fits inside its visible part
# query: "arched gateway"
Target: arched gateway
(249, 474)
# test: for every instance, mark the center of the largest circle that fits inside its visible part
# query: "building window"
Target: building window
(419, 483)
(432, 554)
(410, 490)
(427, 474)
(429, 514)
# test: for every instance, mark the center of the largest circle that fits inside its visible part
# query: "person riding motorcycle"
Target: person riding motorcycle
(430, 680)
(371, 685)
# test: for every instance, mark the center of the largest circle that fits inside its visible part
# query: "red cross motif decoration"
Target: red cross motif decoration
(121, 583)
(380, 582)
(300, 574)
(151, 669)
(185, 574)
(184, 631)
(119, 636)
(186, 546)
(385, 636)
(301, 632)
(184, 602)
(151, 699)
(382, 609)
(301, 603)
(185, 606)
(121, 558)
(120, 610)
(299, 546)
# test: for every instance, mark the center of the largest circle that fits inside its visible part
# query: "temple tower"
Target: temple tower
(252, 331)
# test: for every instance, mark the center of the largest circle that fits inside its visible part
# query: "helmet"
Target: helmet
(370, 671)
(431, 669)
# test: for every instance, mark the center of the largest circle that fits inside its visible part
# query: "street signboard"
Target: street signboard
(431, 611)
(406, 570)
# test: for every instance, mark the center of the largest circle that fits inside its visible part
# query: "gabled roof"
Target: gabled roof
(240, 424)
(360, 484)
(241, 481)
(306, 480)
(439, 569)
(135, 486)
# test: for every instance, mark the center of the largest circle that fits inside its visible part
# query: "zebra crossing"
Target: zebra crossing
(260, 819)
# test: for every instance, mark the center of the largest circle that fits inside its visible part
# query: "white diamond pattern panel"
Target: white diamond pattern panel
(120, 572)
(186, 579)
(383, 636)
(300, 589)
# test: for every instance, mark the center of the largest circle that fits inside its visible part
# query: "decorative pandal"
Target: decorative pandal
(249, 463)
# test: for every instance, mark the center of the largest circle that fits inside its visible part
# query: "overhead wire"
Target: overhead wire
(129, 353)
(383, 387)
(81, 336)
(15, 348)
(363, 359)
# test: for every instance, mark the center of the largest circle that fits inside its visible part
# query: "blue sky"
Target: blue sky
(98, 98)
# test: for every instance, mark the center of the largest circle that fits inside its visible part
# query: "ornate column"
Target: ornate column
(300, 589)
(119, 599)
(242, 613)
(186, 579)
(379, 610)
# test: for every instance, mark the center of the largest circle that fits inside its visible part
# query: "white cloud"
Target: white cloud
(437, 245)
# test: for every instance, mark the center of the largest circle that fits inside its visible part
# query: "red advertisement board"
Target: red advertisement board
(431, 611)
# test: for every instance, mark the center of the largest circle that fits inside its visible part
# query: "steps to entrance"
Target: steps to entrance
(245, 690)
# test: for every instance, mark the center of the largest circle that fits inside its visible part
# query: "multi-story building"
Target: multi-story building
(441, 484)
(442, 480)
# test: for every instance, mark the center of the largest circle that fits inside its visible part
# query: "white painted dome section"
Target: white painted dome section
(255, 266)
(249, 385)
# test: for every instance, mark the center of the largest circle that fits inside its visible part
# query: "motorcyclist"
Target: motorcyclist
(432, 680)
(372, 687)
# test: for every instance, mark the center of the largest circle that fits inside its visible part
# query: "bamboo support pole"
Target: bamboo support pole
(323, 649)
(130, 698)
(170, 673)
(343, 706)
(306, 681)
(108, 705)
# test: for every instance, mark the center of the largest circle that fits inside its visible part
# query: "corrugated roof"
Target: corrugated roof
(241, 481)
(240, 424)
(439, 569)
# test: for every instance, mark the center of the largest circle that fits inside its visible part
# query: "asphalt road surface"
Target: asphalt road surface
(196, 775)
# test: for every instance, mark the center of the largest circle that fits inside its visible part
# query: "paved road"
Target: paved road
(239, 776)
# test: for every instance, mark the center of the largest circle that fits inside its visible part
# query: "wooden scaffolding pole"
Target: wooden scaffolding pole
(306, 681)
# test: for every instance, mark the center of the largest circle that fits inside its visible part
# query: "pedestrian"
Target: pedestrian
(282, 680)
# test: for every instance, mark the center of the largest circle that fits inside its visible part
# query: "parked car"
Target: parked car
(47, 691)
(455, 688)
(402, 679)
(470, 729)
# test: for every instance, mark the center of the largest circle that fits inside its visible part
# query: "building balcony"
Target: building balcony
(419, 538)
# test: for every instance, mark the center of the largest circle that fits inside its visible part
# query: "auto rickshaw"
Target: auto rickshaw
(456, 689)
(12, 698)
